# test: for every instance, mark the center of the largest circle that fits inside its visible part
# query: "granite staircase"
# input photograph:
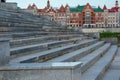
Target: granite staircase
(32, 43)
(95, 55)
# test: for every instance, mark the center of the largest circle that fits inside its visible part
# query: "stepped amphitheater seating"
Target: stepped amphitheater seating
(16, 21)
(30, 43)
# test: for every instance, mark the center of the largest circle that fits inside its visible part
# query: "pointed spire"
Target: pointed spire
(48, 4)
(104, 8)
(78, 5)
(87, 4)
(67, 6)
(98, 6)
(116, 4)
(33, 4)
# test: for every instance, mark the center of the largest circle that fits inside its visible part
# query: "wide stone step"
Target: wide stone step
(97, 71)
(116, 61)
(93, 57)
(40, 47)
(15, 20)
(52, 53)
(19, 29)
(34, 34)
(21, 17)
(113, 72)
(35, 40)
(75, 55)
(30, 41)
(20, 24)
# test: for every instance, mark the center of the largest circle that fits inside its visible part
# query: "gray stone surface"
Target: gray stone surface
(114, 41)
(116, 62)
(51, 52)
(113, 72)
(41, 46)
(93, 57)
(4, 51)
(54, 71)
(112, 75)
(97, 71)
(93, 34)
(75, 55)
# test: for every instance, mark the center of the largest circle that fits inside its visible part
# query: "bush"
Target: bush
(110, 35)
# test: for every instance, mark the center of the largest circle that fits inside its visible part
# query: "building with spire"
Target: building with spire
(83, 15)
(47, 11)
(112, 16)
(116, 4)
(48, 4)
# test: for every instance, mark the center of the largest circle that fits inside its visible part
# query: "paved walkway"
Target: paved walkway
(114, 72)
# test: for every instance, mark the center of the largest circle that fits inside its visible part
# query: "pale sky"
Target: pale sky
(57, 3)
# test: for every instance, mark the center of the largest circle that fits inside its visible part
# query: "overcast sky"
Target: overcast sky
(57, 3)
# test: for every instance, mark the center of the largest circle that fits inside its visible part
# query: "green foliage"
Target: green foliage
(110, 35)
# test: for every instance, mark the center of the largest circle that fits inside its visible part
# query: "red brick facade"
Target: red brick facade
(80, 16)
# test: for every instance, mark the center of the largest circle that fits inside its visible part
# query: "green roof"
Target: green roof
(98, 10)
(73, 10)
(78, 9)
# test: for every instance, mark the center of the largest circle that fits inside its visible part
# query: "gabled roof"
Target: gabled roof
(29, 7)
(66, 6)
(114, 9)
(61, 9)
(33, 6)
(104, 8)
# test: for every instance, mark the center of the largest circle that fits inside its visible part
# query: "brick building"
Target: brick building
(82, 15)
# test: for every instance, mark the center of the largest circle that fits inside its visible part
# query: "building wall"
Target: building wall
(88, 17)
(99, 19)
